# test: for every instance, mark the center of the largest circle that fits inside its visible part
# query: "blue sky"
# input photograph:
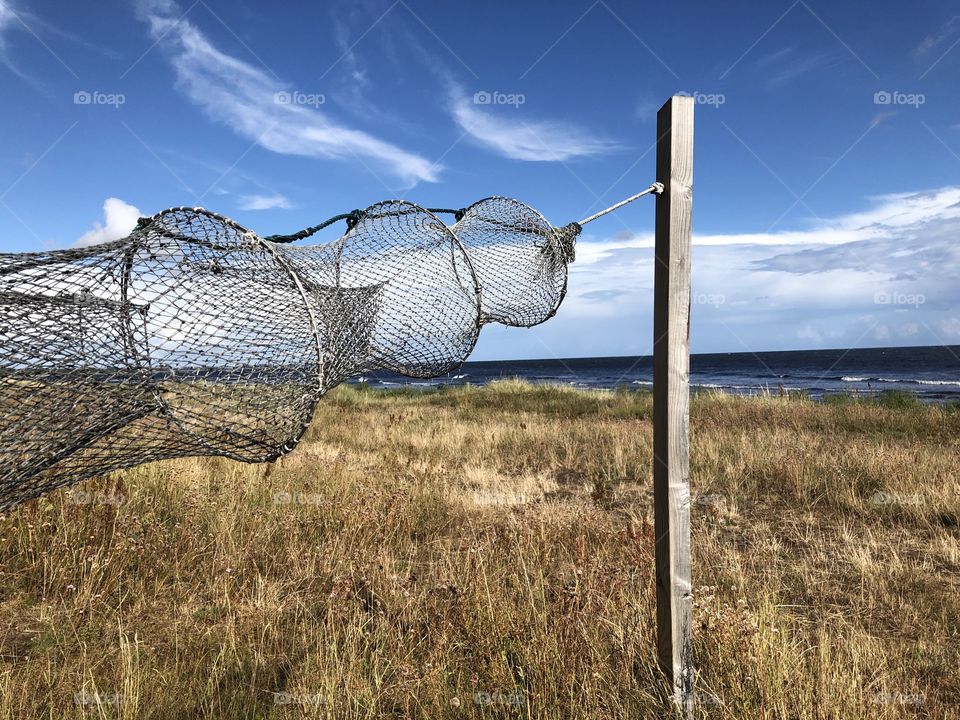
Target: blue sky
(827, 174)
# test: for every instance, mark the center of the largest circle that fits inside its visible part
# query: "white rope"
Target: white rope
(656, 188)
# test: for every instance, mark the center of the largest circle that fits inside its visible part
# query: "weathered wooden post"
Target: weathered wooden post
(671, 397)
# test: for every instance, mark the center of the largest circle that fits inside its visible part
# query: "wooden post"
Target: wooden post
(671, 397)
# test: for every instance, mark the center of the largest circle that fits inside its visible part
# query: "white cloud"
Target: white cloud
(245, 98)
(810, 333)
(507, 133)
(889, 274)
(119, 218)
(264, 202)
(8, 23)
(950, 327)
(7, 17)
(889, 215)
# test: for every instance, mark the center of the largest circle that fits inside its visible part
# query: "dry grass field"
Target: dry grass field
(488, 553)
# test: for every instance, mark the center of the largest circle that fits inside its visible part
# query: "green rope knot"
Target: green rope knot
(353, 218)
(457, 214)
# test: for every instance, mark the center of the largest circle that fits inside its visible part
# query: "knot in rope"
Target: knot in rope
(353, 218)
(567, 235)
(457, 214)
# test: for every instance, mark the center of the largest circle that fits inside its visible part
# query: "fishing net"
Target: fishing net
(195, 336)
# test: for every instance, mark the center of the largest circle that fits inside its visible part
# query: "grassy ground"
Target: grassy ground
(488, 553)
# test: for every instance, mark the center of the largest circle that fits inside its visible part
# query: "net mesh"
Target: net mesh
(194, 336)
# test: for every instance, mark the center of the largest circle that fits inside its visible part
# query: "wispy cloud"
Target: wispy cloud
(509, 133)
(14, 18)
(646, 107)
(368, 36)
(252, 102)
(935, 40)
(786, 65)
(7, 18)
(9, 23)
(880, 118)
(264, 202)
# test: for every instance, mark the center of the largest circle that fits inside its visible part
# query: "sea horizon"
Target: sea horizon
(930, 372)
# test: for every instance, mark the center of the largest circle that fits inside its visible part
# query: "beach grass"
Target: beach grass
(487, 552)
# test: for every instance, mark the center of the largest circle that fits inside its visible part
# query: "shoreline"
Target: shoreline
(882, 397)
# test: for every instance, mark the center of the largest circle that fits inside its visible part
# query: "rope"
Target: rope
(355, 216)
(656, 188)
(352, 218)
(567, 235)
(457, 214)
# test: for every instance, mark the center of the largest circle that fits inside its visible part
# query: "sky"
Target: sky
(827, 143)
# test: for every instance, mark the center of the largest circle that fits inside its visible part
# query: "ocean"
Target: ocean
(931, 373)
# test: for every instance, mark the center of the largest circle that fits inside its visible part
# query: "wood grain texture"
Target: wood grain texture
(671, 396)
